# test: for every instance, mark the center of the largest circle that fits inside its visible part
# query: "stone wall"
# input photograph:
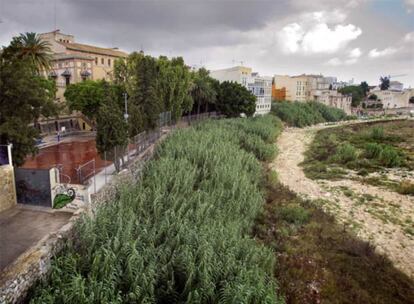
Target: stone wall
(34, 265)
(7, 188)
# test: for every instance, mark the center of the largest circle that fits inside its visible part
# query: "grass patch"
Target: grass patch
(364, 148)
(321, 262)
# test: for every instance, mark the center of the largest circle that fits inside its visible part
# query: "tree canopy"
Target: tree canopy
(154, 85)
(203, 90)
(32, 49)
(234, 99)
(357, 94)
(85, 97)
(365, 87)
(111, 127)
(24, 97)
(384, 83)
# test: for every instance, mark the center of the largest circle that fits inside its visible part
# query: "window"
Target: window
(102, 61)
(96, 60)
(67, 81)
(109, 61)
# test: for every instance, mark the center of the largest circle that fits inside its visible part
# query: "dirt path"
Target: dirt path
(382, 217)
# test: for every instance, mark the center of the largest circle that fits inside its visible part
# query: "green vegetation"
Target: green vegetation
(85, 97)
(366, 148)
(24, 94)
(234, 99)
(320, 261)
(61, 200)
(299, 114)
(358, 93)
(182, 234)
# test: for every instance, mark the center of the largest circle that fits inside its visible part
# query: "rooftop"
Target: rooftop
(93, 49)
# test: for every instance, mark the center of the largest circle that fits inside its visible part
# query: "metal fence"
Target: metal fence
(121, 157)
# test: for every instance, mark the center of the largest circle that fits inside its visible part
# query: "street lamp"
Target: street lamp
(126, 120)
(126, 106)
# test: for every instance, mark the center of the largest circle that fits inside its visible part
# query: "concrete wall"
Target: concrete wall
(7, 188)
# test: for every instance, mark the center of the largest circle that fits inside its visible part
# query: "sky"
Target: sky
(349, 39)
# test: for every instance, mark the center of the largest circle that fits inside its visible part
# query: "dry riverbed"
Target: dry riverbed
(375, 214)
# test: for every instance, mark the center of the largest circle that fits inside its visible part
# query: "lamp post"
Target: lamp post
(126, 120)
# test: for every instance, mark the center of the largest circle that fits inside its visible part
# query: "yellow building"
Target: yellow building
(74, 62)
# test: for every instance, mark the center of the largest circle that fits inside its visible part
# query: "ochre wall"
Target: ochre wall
(7, 188)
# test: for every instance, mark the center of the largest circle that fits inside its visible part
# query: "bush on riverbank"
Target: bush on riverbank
(302, 114)
(181, 234)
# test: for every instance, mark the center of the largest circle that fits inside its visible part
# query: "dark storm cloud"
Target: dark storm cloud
(219, 33)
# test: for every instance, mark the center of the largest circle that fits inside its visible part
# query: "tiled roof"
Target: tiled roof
(93, 49)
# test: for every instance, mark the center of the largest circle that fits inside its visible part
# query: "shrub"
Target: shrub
(61, 200)
(345, 153)
(377, 133)
(372, 150)
(294, 214)
(302, 114)
(389, 157)
(406, 187)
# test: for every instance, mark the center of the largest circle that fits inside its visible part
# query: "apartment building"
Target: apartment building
(260, 86)
(311, 87)
(297, 88)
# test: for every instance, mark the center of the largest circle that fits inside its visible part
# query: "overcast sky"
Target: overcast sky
(360, 39)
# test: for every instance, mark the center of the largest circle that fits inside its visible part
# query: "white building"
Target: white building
(394, 99)
(260, 86)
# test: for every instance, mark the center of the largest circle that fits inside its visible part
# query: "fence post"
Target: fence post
(94, 176)
(105, 166)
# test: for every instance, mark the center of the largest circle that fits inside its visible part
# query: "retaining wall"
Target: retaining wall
(7, 188)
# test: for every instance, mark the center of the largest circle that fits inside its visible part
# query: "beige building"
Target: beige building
(74, 62)
(394, 99)
(260, 86)
(102, 58)
(298, 88)
(334, 99)
(312, 88)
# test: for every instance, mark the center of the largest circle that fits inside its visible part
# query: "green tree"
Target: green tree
(85, 97)
(111, 128)
(234, 99)
(203, 90)
(174, 83)
(24, 97)
(31, 48)
(384, 83)
(356, 92)
(373, 97)
(365, 87)
(144, 99)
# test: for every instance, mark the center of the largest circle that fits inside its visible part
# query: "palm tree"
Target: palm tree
(202, 90)
(30, 46)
